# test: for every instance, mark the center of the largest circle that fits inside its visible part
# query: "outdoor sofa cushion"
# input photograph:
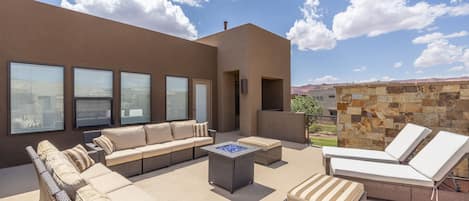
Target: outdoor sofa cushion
(79, 156)
(155, 150)
(352, 153)
(406, 141)
(129, 193)
(96, 170)
(123, 156)
(385, 172)
(158, 133)
(323, 187)
(89, 193)
(264, 143)
(440, 155)
(109, 182)
(182, 129)
(126, 137)
(44, 148)
(105, 143)
(179, 145)
(202, 141)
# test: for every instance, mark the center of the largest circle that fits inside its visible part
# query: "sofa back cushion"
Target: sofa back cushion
(182, 129)
(126, 137)
(201, 130)
(105, 143)
(158, 133)
(44, 148)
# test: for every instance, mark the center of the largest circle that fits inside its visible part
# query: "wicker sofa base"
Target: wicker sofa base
(198, 152)
(182, 155)
(128, 169)
(155, 163)
(268, 157)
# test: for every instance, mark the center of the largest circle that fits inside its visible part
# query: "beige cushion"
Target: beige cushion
(109, 182)
(79, 156)
(201, 130)
(182, 129)
(45, 147)
(202, 141)
(264, 143)
(360, 154)
(89, 193)
(129, 193)
(158, 133)
(124, 156)
(179, 145)
(96, 170)
(126, 137)
(323, 187)
(155, 150)
(105, 143)
(407, 141)
(68, 178)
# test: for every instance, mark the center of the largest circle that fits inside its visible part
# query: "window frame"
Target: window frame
(166, 97)
(9, 91)
(120, 97)
(77, 98)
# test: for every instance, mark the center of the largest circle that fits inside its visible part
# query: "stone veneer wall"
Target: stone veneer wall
(370, 115)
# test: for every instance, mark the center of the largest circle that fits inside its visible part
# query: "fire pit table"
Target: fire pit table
(230, 165)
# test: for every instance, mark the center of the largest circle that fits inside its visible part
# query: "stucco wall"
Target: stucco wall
(370, 116)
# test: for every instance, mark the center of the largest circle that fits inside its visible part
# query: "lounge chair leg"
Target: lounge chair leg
(456, 185)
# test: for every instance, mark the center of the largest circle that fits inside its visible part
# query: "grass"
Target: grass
(323, 128)
(324, 141)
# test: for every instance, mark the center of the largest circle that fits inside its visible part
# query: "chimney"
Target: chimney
(225, 23)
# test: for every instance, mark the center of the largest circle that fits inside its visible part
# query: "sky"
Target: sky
(333, 41)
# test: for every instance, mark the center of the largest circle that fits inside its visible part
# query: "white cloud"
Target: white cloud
(374, 79)
(310, 33)
(158, 15)
(373, 18)
(327, 79)
(440, 52)
(428, 38)
(419, 72)
(360, 69)
(456, 1)
(397, 64)
(195, 3)
(456, 69)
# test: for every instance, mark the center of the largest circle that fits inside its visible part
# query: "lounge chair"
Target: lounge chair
(419, 180)
(396, 152)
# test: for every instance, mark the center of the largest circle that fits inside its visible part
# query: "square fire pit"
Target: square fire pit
(231, 165)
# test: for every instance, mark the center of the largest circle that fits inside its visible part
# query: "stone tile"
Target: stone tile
(411, 107)
(385, 99)
(394, 105)
(464, 86)
(354, 110)
(390, 132)
(346, 98)
(463, 124)
(381, 91)
(342, 106)
(451, 88)
(466, 115)
(462, 105)
(427, 109)
(358, 103)
(410, 89)
(389, 123)
(356, 118)
(429, 102)
(448, 99)
(394, 89)
(454, 115)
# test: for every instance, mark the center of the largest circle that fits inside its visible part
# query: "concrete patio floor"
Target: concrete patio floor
(188, 181)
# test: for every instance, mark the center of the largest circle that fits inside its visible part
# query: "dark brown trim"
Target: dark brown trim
(9, 98)
(166, 96)
(120, 97)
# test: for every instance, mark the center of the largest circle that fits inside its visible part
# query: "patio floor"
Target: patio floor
(188, 181)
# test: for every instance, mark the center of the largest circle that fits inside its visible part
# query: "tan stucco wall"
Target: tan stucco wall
(255, 53)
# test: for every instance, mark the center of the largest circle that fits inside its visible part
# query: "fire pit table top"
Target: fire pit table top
(230, 149)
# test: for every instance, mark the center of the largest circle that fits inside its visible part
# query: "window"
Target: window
(36, 98)
(135, 98)
(177, 95)
(93, 97)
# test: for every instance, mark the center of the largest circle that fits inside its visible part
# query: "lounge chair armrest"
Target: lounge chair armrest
(96, 152)
(212, 133)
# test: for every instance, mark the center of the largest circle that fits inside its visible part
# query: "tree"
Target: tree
(306, 104)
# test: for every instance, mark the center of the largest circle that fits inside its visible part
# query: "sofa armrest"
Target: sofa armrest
(213, 133)
(96, 153)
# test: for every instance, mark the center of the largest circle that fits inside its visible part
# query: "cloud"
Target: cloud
(327, 79)
(194, 3)
(360, 69)
(428, 38)
(440, 52)
(456, 1)
(374, 79)
(456, 69)
(397, 64)
(310, 33)
(158, 15)
(419, 72)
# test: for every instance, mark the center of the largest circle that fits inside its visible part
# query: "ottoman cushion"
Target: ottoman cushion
(264, 143)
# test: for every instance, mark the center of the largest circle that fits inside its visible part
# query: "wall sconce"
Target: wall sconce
(244, 86)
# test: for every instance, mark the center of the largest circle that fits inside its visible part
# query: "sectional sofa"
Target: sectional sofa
(140, 149)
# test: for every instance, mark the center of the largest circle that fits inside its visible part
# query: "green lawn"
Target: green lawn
(323, 128)
(324, 141)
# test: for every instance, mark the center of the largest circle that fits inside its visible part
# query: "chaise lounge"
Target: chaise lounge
(419, 180)
(396, 152)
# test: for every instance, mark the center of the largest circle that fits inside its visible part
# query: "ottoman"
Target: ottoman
(324, 187)
(271, 149)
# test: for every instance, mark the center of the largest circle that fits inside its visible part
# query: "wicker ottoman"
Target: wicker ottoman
(323, 187)
(271, 149)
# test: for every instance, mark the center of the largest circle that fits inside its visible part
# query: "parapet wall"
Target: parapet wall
(370, 115)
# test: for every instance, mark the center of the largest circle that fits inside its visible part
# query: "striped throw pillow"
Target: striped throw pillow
(79, 157)
(201, 130)
(105, 143)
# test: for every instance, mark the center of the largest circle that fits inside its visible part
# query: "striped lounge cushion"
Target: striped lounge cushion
(323, 187)
(105, 143)
(201, 130)
(79, 156)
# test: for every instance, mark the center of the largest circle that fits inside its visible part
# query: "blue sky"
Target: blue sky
(332, 41)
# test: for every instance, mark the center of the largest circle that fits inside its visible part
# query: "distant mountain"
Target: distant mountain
(310, 87)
